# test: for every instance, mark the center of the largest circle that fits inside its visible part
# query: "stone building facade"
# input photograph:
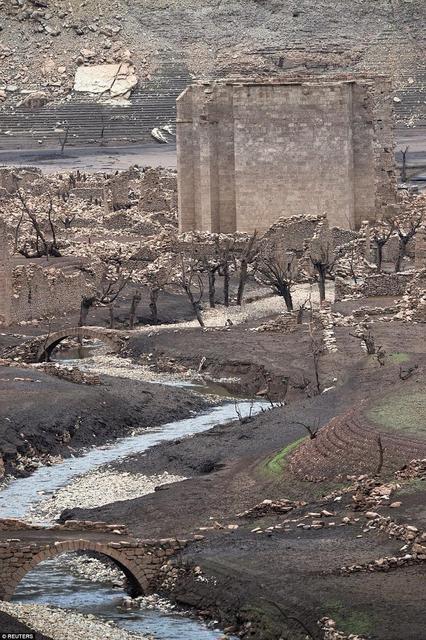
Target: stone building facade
(251, 152)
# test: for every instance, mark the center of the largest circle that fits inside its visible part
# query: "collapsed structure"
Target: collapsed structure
(251, 152)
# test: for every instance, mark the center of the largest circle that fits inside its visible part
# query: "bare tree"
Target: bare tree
(277, 269)
(381, 233)
(110, 286)
(189, 279)
(406, 227)
(366, 336)
(311, 429)
(225, 248)
(136, 298)
(247, 257)
(63, 138)
(323, 260)
(43, 246)
(68, 220)
(404, 165)
(244, 419)
(316, 351)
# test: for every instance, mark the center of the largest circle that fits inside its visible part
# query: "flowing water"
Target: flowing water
(51, 582)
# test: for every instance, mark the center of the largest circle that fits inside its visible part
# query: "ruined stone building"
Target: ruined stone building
(4, 276)
(251, 152)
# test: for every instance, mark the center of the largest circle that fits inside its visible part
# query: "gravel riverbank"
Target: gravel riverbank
(62, 624)
(96, 489)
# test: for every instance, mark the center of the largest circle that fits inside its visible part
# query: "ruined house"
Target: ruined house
(251, 152)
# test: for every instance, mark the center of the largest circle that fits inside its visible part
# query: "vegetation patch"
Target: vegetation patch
(350, 621)
(275, 465)
(399, 357)
(402, 412)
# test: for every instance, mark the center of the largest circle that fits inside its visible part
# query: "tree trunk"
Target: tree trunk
(286, 294)
(86, 304)
(133, 307)
(226, 285)
(379, 257)
(111, 316)
(212, 290)
(196, 307)
(242, 282)
(401, 255)
(84, 311)
(321, 285)
(153, 297)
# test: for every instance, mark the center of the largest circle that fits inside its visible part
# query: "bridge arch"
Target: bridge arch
(138, 583)
(109, 336)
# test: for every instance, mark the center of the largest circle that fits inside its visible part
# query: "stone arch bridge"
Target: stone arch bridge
(23, 547)
(111, 337)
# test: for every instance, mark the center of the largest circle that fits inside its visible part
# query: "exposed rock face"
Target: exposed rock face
(112, 80)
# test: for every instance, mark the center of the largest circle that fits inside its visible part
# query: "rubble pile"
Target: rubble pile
(269, 507)
(328, 627)
(71, 374)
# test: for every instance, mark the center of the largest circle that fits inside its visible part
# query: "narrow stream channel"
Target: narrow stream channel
(52, 583)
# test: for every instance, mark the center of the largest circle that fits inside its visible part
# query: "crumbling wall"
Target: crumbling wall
(385, 284)
(5, 276)
(39, 292)
(290, 234)
(420, 249)
(252, 152)
(12, 179)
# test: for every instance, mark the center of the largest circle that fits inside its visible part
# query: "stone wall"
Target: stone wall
(252, 152)
(290, 234)
(420, 249)
(376, 285)
(11, 179)
(5, 276)
(39, 292)
(386, 284)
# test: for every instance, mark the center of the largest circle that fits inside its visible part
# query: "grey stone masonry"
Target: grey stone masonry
(5, 277)
(22, 547)
(251, 152)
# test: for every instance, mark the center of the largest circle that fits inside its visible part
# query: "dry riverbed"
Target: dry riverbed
(99, 488)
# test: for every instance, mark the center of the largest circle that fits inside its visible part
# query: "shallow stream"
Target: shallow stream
(51, 582)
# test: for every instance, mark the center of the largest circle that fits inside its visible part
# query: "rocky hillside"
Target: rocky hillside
(161, 44)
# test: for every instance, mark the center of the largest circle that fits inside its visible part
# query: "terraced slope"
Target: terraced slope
(172, 40)
(349, 445)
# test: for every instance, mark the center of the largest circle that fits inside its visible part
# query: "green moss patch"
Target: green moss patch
(351, 621)
(275, 465)
(403, 412)
(399, 357)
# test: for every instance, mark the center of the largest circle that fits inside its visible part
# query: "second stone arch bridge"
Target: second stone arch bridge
(23, 547)
(112, 338)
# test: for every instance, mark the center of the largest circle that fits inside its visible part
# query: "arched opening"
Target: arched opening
(56, 573)
(48, 347)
